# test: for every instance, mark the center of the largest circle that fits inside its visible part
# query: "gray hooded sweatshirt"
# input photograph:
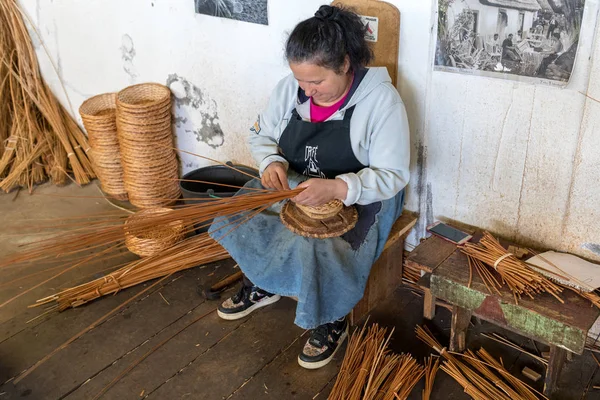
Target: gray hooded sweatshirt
(379, 135)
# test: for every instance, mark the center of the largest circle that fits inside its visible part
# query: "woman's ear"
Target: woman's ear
(346, 64)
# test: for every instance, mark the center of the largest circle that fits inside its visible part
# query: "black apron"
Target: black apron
(321, 149)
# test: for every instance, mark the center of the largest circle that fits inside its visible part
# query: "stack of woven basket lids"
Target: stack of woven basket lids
(132, 144)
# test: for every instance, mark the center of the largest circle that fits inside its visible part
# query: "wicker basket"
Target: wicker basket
(145, 238)
(99, 118)
(299, 222)
(325, 211)
(150, 166)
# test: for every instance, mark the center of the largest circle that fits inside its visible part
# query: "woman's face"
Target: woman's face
(324, 85)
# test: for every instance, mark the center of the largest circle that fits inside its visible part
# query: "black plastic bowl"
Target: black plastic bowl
(213, 178)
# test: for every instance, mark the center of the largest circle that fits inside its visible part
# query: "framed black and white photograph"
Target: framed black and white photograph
(254, 11)
(527, 40)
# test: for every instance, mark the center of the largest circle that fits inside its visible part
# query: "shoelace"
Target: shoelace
(320, 336)
(243, 293)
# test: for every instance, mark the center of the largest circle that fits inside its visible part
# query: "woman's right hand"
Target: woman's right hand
(275, 177)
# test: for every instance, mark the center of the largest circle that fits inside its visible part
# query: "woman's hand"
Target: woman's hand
(321, 191)
(275, 177)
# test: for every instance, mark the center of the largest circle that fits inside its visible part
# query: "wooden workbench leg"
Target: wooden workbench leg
(555, 364)
(460, 323)
(428, 304)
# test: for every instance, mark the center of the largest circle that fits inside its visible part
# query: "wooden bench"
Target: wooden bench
(563, 327)
(386, 273)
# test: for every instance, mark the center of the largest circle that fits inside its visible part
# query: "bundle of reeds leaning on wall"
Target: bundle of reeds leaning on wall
(38, 137)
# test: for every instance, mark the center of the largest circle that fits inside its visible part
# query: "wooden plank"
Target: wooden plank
(430, 254)
(385, 277)
(555, 364)
(401, 227)
(386, 47)
(166, 361)
(221, 371)
(284, 378)
(428, 304)
(111, 340)
(461, 317)
(542, 318)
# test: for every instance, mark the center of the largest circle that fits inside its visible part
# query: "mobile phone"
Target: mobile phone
(449, 233)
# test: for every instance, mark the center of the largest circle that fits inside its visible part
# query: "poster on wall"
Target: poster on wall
(525, 40)
(254, 11)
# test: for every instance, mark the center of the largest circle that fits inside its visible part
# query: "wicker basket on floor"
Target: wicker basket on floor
(99, 119)
(150, 165)
(144, 238)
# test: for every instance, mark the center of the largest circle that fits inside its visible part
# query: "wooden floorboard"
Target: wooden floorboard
(164, 362)
(282, 379)
(252, 358)
(108, 342)
(221, 371)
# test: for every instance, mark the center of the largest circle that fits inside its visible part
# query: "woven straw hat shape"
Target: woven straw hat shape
(99, 119)
(299, 221)
(150, 167)
(145, 238)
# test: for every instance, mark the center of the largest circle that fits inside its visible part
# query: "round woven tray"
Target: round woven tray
(99, 119)
(300, 223)
(146, 239)
(150, 166)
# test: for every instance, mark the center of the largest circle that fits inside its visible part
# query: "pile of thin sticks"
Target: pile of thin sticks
(38, 137)
(410, 274)
(104, 236)
(489, 257)
(371, 371)
(481, 375)
(194, 251)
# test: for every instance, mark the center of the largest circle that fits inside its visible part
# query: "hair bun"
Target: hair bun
(327, 13)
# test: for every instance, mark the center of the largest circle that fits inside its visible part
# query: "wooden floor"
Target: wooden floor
(170, 344)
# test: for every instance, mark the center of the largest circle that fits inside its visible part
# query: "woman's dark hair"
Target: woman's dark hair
(327, 38)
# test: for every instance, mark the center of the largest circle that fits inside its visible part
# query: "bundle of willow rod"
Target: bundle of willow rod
(194, 251)
(410, 273)
(481, 375)
(108, 230)
(371, 371)
(431, 369)
(104, 235)
(518, 276)
(501, 339)
(38, 138)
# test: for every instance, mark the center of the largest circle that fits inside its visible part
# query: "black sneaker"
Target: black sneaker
(248, 299)
(323, 343)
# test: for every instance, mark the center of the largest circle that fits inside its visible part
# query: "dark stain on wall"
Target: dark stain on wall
(424, 193)
(127, 55)
(593, 247)
(191, 103)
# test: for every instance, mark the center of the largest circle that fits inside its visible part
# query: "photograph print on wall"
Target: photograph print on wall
(525, 40)
(254, 11)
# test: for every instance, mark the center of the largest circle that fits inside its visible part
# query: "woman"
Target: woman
(341, 130)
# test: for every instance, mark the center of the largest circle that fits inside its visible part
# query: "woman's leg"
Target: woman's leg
(248, 299)
(323, 343)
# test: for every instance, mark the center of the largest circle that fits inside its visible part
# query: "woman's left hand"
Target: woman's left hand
(320, 191)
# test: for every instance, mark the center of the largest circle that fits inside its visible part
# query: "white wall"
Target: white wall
(518, 159)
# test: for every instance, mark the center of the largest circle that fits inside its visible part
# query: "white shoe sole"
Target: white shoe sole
(263, 303)
(321, 364)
